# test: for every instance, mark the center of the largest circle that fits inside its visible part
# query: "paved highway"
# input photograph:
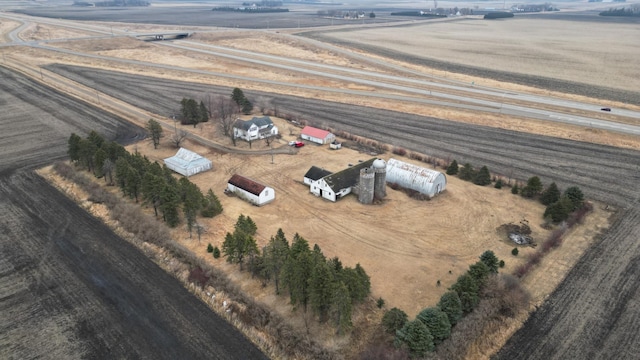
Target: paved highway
(413, 86)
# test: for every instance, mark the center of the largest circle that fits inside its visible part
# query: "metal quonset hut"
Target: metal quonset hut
(250, 190)
(409, 176)
(187, 163)
(316, 135)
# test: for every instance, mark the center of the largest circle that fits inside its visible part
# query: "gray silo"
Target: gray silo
(367, 181)
(380, 186)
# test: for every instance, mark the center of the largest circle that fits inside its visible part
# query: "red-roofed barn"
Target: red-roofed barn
(316, 135)
(250, 190)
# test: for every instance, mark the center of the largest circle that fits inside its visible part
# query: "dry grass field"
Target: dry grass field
(567, 50)
(405, 245)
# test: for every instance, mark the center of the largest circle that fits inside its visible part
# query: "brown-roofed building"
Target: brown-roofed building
(250, 190)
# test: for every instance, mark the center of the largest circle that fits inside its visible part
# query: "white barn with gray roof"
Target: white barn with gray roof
(187, 163)
(409, 176)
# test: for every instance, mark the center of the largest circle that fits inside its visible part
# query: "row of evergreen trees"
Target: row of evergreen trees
(141, 179)
(311, 280)
(433, 324)
(559, 205)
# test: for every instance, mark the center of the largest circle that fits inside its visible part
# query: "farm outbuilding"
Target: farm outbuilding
(335, 186)
(314, 174)
(250, 190)
(409, 176)
(187, 163)
(316, 135)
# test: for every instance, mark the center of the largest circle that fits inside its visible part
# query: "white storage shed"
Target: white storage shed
(250, 190)
(409, 176)
(187, 163)
(316, 135)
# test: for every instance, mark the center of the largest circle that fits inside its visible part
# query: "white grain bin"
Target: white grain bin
(380, 186)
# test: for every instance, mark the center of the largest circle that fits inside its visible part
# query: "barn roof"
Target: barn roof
(258, 121)
(316, 173)
(184, 160)
(315, 132)
(246, 184)
(348, 177)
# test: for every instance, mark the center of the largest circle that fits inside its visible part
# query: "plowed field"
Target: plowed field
(69, 287)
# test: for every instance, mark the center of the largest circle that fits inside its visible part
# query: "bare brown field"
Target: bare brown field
(568, 50)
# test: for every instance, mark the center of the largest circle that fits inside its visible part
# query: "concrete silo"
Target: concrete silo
(367, 182)
(380, 186)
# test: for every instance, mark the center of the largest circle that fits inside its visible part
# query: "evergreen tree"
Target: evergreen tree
(498, 184)
(515, 189)
(192, 204)
(74, 147)
(416, 337)
(152, 185)
(246, 107)
(203, 112)
(490, 259)
(122, 167)
(275, 256)
(297, 271)
(169, 202)
(483, 177)
(99, 159)
(451, 305)
(134, 183)
(466, 173)
(394, 319)
(341, 308)
(212, 205)
(154, 130)
(468, 290)
(237, 96)
(559, 210)
(452, 169)
(437, 322)
(480, 272)
(533, 187)
(95, 139)
(575, 195)
(550, 195)
(321, 289)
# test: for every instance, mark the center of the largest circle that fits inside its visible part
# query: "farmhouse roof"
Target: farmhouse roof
(258, 121)
(246, 184)
(316, 173)
(315, 132)
(348, 177)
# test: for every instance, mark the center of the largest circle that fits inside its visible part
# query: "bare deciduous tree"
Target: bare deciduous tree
(225, 112)
(178, 137)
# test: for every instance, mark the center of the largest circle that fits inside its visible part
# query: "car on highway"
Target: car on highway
(606, 109)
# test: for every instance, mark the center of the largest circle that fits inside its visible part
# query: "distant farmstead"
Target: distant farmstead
(409, 176)
(316, 135)
(187, 163)
(250, 190)
(254, 129)
(366, 179)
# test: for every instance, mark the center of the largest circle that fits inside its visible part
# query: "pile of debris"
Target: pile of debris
(518, 233)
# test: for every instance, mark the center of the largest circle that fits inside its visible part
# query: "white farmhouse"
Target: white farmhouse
(254, 129)
(316, 135)
(409, 176)
(250, 190)
(187, 163)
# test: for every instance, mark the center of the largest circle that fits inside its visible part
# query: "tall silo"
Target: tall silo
(367, 181)
(380, 186)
